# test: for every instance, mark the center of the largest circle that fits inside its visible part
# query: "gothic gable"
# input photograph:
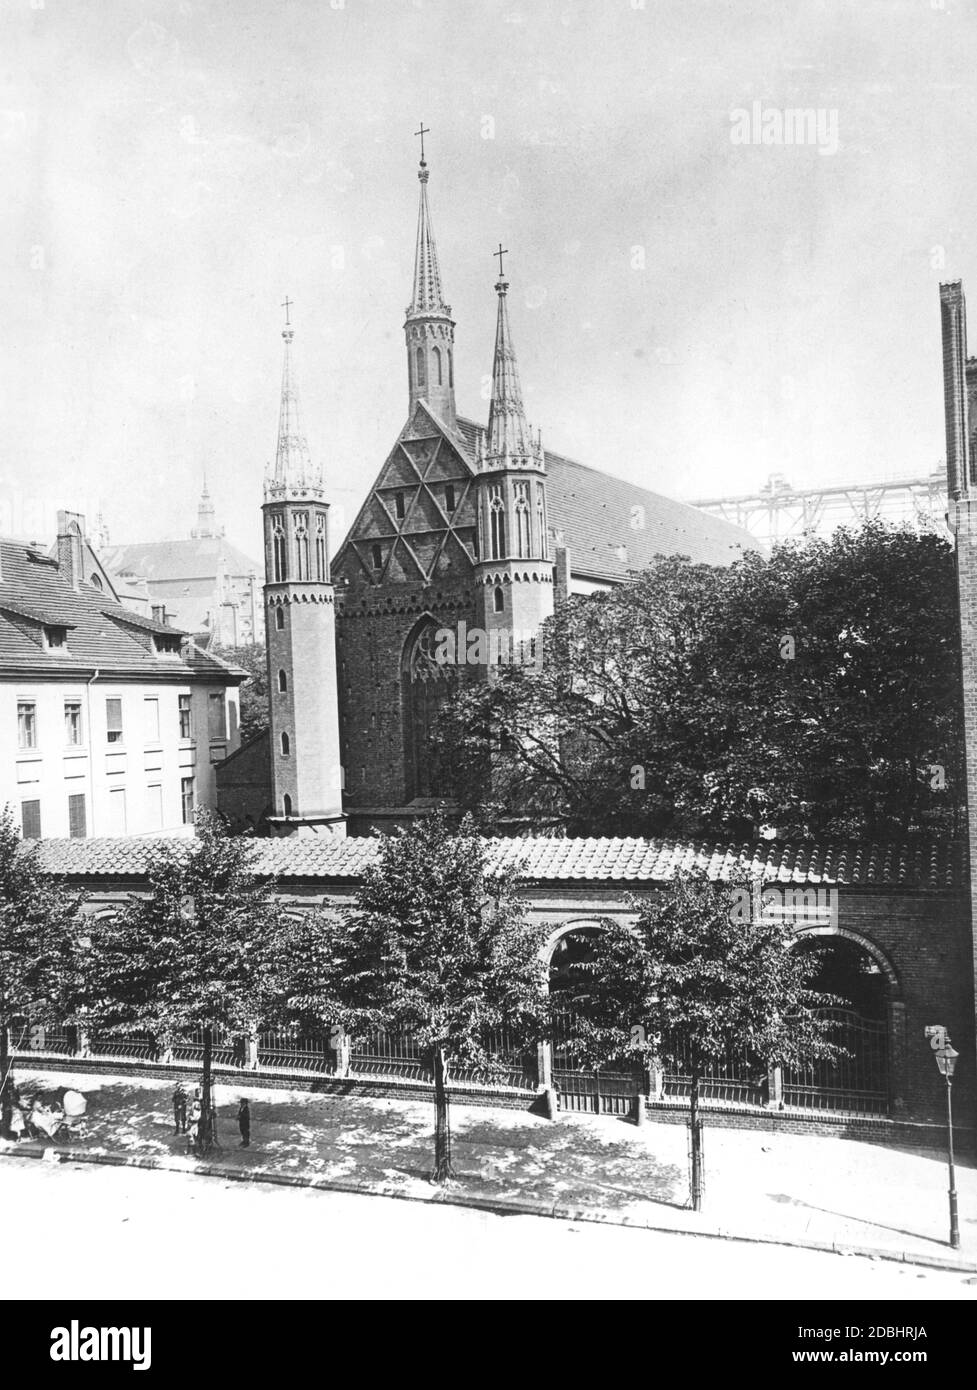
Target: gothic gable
(418, 523)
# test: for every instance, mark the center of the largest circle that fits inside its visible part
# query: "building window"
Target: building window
(217, 717)
(56, 638)
(150, 706)
(26, 724)
(449, 498)
(451, 368)
(154, 806)
(95, 581)
(186, 718)
(30, 820)
(497, 524)
(113, 719)
(72, 723)
(282, 682)
(420, 376)
(522, 520)
(321, 567)
(287, 804)
(117, 811)
(399, 506)
(279, 548)
(77, 819)
(301, 524)
(186, 800)
(285, 746)
(280, 618)
(437, 366)
(376, 554)
(499, 601)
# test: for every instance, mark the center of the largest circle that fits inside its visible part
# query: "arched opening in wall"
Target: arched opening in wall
(612, 1089)
(451, 368)
(857, 1081)
(420, 374)
(425, 685)
(437, 366)
(499, 600)
(287, 804)
(286, 745)
(282, 681)
(280, 619)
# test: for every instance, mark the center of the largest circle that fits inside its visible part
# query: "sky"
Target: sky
(693, 308)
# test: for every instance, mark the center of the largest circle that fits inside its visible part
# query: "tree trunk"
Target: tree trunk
(6, 1099)
(205, 1139)
(442, 1131)
(696, 1130)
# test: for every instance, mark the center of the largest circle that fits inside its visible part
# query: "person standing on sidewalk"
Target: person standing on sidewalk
(244, 1123)
(180, 1109)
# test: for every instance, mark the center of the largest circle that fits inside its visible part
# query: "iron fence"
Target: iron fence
(856, 1082)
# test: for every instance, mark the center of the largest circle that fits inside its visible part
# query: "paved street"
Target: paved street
(114, 1233)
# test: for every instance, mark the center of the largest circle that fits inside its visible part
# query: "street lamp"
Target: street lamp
(946, 1061)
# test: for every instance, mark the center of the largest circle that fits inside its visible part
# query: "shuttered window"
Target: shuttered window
(77, 818)
(113, 719)
(30, 819)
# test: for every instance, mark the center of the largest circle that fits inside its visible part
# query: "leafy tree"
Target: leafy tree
(255, 715)
(698, 974)
(198, 952)
(815, 690)
(40, 955)
(436, 947)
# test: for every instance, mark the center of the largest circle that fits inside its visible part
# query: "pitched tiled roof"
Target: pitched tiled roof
(101, 633)
(931, 866)
(596, 514)
(172, 560)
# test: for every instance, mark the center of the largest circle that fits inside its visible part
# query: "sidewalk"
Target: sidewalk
(791, 1189)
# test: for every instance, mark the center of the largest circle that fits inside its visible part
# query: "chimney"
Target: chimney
(159, 612)
(71, 535)
(953, 315)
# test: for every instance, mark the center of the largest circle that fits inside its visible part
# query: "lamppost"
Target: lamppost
(946, 1061)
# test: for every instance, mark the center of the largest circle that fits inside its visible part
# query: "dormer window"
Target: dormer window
(166, 645)
(56, 639)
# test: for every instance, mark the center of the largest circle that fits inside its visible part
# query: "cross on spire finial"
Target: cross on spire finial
(287, 306)
(424, 130)
(500, 253)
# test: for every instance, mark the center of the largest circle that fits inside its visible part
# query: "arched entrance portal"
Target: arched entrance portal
(613, 1089)
(425, 684)
(860, 1080)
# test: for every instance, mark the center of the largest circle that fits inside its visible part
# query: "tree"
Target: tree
(40, 955)
(702, 971)
(816, 691)
(437, 947)
(198, 952)
(255, 716)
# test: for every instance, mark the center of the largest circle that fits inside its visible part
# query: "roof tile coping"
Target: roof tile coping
(933, 866)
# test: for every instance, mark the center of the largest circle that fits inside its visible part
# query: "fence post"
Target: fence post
(656, 1079)
(544, 1078)
(251, 1058)
(775, 1088)
(84, 1041)
(340, 1044)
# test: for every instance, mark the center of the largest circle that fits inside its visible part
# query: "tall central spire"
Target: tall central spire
(509, 437)
(294, 474)
(429, 328)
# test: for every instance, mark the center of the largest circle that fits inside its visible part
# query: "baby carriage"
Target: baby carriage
(62, 1122)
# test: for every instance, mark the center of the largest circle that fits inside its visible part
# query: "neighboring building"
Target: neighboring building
(208, 586)
(111, 723)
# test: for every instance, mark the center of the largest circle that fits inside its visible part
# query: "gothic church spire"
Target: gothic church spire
(509, 440)
(294, 473)
(429, 328)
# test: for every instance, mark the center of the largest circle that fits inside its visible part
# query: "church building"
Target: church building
(469, 528)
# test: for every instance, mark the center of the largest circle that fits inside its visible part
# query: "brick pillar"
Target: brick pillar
(251, 1050)
(897, 1056)
(340, 1044)
(656, 1079)
(775, 1088)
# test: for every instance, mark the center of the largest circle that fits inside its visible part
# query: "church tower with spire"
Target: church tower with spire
(429, 328)
(301, 631)
(513, 571)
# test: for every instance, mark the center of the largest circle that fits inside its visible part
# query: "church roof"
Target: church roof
(171, 560)
(928, 866)
(612, 527)
(102, 633)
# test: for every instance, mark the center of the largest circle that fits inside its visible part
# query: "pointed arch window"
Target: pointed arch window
(279, 548)
(499, 599)
(287, 804)
(420, 374)
(376, 557)
(280, 619)
(523, 548)
(282, 681)
(425, 684)
(286, 745)
(302, 544)
(321, 567)
(541, 519)
(497, 517)
(451, 368)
